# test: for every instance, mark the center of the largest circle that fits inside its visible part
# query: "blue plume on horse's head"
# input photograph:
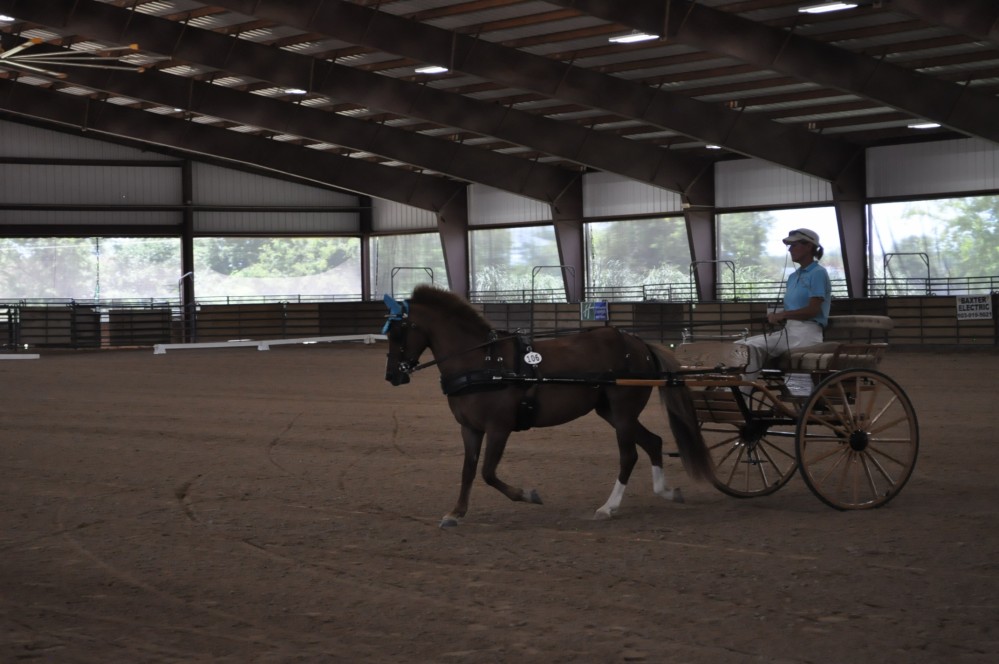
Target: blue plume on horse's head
(397, 310)
(394, 307)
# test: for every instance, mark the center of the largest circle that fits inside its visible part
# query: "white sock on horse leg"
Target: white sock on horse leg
(608, 509)
(660, 488)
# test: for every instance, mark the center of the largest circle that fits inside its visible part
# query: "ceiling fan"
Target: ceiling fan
(15, 59)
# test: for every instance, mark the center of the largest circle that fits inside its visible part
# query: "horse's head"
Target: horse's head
(406, 342)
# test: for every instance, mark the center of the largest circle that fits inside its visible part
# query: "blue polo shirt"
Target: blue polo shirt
(806, 283)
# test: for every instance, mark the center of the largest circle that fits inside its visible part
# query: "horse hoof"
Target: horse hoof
(677, 495)
(601, 515)
(449, 522)
(533, 497)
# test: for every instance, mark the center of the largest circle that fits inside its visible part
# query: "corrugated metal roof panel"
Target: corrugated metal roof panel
(522, 32)
(494, 14)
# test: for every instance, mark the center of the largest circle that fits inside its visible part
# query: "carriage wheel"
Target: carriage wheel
(752, 458)
(857, 439)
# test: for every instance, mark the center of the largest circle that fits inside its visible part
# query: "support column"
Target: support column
(850, 201)
(699, 215)
(452, 225)
(187, 292)
(365, 225)
(567, 217)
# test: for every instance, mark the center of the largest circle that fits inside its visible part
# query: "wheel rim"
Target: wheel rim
(857, 440)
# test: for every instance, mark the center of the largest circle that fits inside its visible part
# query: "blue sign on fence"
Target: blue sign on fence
(593, 311)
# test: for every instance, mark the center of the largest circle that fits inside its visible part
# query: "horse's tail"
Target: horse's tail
(682, 415)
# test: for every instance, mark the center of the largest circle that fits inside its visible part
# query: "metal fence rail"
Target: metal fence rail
(67, 323)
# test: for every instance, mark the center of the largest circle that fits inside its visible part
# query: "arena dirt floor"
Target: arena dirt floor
(283, 506)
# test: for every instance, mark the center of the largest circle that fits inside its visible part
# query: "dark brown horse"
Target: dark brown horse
(497, 383)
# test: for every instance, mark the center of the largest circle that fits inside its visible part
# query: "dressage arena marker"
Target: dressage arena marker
(19, 356)
(265, 344)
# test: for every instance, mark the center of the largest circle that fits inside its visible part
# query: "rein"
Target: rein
(493, 338)
(399, 311)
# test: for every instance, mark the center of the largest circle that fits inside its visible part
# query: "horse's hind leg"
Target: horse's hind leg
(653, 446)
(627, 438)
(628, 458)
(495, 444)
(473, 445)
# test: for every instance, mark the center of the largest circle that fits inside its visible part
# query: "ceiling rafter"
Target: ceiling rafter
(536, 87)
(639, 161)
(956, 106)
(520, 176)
(976, 18)
(788, 146)
(421, 191)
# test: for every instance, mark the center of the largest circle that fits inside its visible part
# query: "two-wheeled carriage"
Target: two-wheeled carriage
(827, 410)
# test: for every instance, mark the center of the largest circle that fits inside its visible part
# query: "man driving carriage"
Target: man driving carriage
(807, 298)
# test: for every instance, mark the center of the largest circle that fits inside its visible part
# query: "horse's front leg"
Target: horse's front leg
(495, 444)
(472, 440)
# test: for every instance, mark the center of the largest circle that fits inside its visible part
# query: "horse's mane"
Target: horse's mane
(454, 308)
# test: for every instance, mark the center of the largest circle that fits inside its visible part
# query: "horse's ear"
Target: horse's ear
(394, 307)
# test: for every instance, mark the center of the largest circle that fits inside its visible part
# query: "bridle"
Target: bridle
(399, 313)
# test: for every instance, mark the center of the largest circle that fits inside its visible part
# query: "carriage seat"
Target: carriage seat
(860, 343)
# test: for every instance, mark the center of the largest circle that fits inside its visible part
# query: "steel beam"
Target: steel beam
(642, 162)
(789, 146)
(978, 19)
(420, 191)
(956, 106)
(567, 217)
(519, 176)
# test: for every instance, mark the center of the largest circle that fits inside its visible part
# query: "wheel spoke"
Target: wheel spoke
(888, 425)
(842, 453)
(735, 465)
(822, 456)
(877, 450)
(891, 402)
(869, 458)
(737, 447)
(766, 446)
(863, 459)
(760, 465)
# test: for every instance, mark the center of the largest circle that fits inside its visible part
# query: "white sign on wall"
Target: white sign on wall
(971, 307)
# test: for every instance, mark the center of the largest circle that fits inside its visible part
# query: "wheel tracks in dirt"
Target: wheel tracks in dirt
(331, 571)
(274, 443)
(345, 470)
(399, 590)
(123, 649)
(402, 589)
(272, 636)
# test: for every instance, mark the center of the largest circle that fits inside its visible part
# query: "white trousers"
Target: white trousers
(794, 334)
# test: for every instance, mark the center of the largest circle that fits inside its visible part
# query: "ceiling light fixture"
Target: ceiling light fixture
(712, 146)
(826, 7)
(632, 37)
(6, 19)
(296, 91)
(431, 69)
(924, 125)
